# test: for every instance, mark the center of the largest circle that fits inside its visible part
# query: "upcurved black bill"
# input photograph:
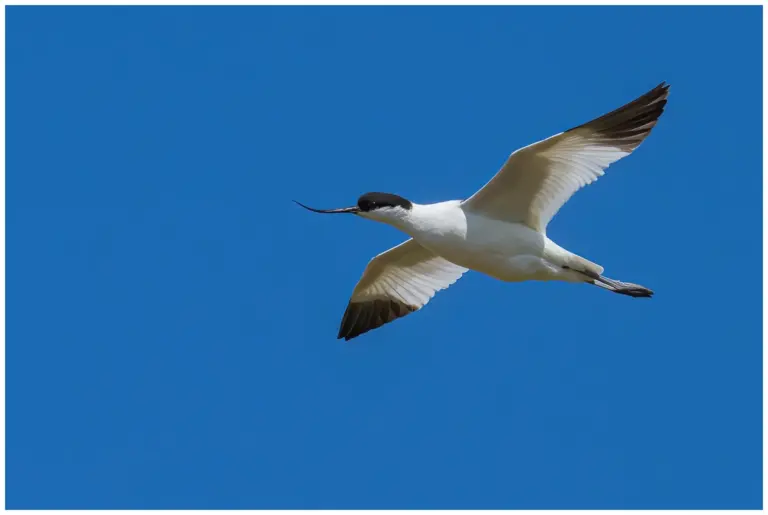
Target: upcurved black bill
(353, 209)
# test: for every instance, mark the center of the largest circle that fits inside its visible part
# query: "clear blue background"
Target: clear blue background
(172, 315)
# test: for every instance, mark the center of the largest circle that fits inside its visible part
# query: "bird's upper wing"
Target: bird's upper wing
(395, 283)
(537, 180)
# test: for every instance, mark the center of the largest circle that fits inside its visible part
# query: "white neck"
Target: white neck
(421, 218)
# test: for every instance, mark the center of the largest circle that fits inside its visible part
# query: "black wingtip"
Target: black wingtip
(361, 317)
(631, 123)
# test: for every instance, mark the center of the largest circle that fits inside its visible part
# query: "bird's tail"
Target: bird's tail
(633, 290)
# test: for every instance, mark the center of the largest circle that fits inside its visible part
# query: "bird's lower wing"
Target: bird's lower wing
(395, 283)
(537, 180)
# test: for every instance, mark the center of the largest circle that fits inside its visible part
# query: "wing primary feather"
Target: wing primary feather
(536, 180)
(395, 283)
(633, 121)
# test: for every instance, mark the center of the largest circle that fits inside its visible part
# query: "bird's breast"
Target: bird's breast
(489, 246)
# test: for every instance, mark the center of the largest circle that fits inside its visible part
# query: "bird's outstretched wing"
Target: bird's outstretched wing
(395, 283)
(537, 180)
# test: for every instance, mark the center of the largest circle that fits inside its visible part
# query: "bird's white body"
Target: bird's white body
(499, 231)
(507, 251)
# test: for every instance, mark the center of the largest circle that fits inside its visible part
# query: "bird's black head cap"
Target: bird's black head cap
(374, 200)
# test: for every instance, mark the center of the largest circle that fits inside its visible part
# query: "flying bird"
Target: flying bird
(501, 229)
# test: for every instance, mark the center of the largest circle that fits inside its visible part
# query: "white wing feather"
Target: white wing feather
(395, 283)
(537, 180)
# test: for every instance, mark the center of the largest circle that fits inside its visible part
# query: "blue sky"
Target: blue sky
(172, 315)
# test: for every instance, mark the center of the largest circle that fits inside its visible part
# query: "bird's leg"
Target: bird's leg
(630, 289)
